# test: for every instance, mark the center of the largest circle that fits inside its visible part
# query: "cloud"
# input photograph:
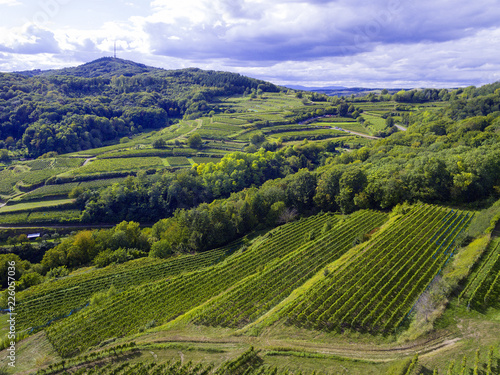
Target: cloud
(313, 42)
(252, 30)
(10, 3)
(30, 40)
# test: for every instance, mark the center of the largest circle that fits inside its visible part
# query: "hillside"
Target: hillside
(199, 222)
(85, 107)
(275, 293)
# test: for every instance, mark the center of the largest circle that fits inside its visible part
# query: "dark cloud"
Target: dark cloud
(315, 29)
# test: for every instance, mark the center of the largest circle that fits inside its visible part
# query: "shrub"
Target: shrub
(57, 272)
(161, 249)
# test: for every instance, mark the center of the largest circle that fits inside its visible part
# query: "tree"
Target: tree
(300, 189)
(29, 279)
(195, 141)
(159, 143)
(4, 155)
(389, 121)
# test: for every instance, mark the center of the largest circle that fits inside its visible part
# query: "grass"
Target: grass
(32, 353)
(178, 161)
(378, 123)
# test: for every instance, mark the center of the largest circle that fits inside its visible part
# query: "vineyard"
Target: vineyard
(379, 286)
(119, 164)
(49, 191)
(483, 287)
(45, 302)
(263, 291)
(176, 296)
(34, 206)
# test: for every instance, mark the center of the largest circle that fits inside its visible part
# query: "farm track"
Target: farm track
(87, 161)
(359, 134)
(185, 136)
(383, 353)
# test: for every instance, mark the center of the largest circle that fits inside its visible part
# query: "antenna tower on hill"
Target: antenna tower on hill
(115, 50)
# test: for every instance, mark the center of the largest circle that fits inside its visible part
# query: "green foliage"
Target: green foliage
(29, 279)
(195, 141)
(85, 246)
(12, 260)
(105, 100)
(57, 272)
(99, 297)
(483, 288)
(173, 295)
(120, 255)
(251, 299)
(161, 249)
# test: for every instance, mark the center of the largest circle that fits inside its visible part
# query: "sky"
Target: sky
(314, 43)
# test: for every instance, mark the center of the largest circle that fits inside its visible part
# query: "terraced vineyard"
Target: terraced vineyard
(483, 287)
(260, 293)
(119, 164)
(376, 289)
(166, 299)
(44, 302)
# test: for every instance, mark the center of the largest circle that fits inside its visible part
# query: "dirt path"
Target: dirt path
(87, 161)
(356, 133)
(185, 136)
(400, 127)
(374, 353)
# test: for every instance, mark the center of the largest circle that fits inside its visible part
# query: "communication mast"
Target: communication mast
(115, 50)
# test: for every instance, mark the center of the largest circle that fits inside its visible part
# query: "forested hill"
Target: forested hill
(105, 67)
(84, 107)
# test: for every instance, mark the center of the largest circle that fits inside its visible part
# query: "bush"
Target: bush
(29, 279)
(161, 249)
(121, 255)
(57, 272)
(98, 297)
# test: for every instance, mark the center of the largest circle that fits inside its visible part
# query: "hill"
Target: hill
(105, 67)
(85, 107)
